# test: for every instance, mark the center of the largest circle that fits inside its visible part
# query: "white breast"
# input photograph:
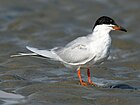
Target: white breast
(100, 48)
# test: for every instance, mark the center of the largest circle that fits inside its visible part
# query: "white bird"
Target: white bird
(85, 51)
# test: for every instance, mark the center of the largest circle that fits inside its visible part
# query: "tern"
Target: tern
(86, 51)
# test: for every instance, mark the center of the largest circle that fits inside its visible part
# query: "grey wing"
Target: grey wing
(75, 52)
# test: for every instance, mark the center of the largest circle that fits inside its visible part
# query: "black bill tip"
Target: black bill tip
(116, 27)
(123, 29)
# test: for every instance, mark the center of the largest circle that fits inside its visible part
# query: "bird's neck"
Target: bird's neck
(101, 29)
(100, 34)
(101, 41)
(101, 38)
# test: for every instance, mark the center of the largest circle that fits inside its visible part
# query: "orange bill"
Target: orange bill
(116, 27)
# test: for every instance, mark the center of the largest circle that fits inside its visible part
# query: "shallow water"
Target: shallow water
(49, 23)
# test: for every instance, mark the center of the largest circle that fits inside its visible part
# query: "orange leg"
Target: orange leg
(80, 78)
(89, 79)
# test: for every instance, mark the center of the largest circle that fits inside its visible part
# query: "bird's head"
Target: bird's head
(107, 24)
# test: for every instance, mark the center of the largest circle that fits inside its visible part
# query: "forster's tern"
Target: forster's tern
(84, 51)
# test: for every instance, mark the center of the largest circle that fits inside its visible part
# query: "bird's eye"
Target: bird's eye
(111, 21)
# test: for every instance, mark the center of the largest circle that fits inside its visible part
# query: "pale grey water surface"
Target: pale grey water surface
(49, 23)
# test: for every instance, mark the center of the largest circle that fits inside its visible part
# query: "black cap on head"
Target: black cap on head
(104, 20)
(108, 20)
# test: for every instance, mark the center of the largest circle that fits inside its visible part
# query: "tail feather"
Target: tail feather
(37, 52)
(44, 53)
(23, 54)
